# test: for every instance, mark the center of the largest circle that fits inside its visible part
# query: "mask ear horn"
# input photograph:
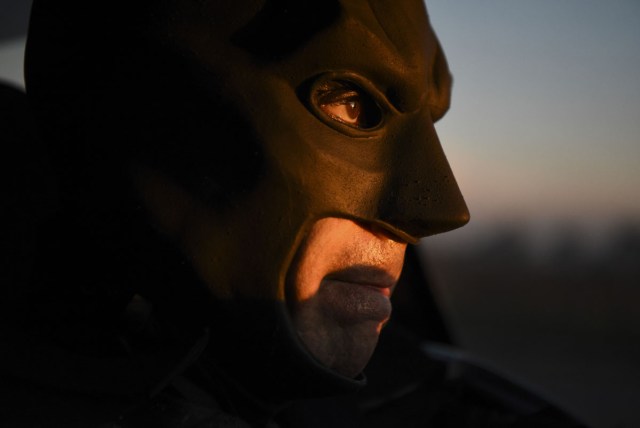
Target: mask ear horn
(442, 81)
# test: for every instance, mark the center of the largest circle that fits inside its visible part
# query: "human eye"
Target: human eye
(348, 104)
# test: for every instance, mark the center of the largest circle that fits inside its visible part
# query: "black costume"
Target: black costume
(168, 306)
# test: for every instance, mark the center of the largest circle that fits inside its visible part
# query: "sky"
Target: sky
(545, 120)
(545, 117)
(11, 54)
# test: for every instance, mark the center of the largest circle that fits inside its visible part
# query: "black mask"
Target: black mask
(241, 124)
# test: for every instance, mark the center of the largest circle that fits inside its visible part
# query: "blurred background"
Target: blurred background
(544, 138)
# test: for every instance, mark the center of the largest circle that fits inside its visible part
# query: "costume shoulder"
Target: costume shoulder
(412, 384)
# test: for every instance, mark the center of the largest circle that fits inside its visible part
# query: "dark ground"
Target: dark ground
(568, 324)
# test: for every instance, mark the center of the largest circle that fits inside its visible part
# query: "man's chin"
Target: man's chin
(343, 349)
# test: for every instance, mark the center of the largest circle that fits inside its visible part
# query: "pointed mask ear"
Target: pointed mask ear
(441, 83)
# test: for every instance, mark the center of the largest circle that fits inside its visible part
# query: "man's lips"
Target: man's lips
(370, 276)
(359, 293)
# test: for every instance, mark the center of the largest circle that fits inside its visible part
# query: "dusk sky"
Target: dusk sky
(545, 123)
(545, 120)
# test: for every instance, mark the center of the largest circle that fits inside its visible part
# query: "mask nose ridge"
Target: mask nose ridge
(422, 197)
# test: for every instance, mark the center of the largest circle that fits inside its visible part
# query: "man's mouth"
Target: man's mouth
(376, 278)
(359, 293)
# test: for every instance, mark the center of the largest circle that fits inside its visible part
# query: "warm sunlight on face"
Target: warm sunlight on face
(338, 290)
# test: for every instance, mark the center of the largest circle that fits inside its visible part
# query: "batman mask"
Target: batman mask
(236, 128)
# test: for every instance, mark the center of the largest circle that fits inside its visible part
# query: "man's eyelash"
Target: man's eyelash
(329, 97)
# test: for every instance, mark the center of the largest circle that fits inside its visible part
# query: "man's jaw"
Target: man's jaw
(340, 287)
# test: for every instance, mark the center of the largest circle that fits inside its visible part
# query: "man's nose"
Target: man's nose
(422, 197)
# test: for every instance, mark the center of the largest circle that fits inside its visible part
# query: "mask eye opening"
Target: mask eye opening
(345, 105)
